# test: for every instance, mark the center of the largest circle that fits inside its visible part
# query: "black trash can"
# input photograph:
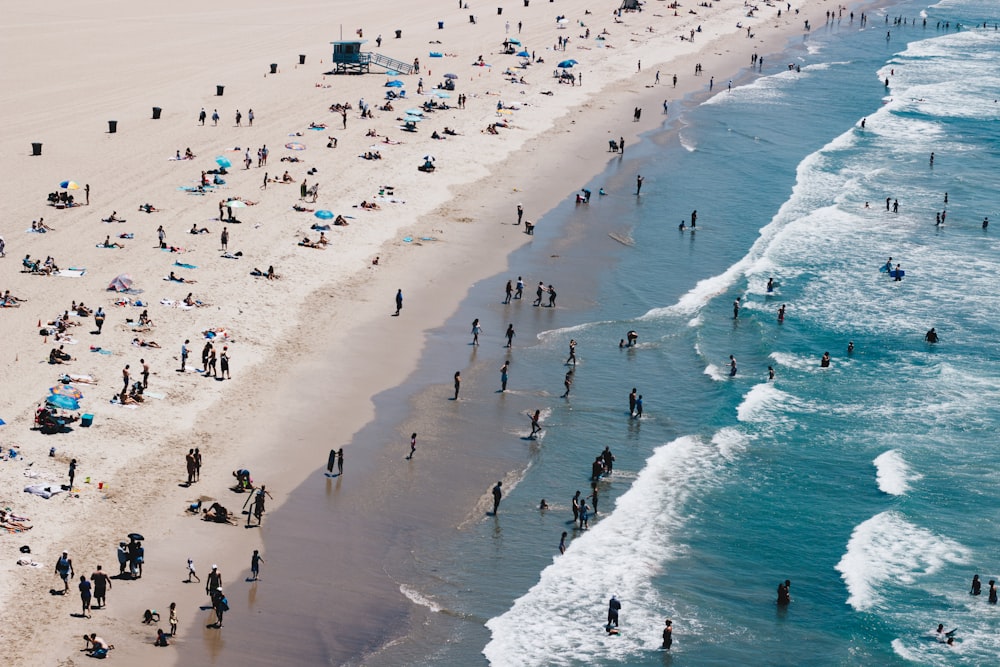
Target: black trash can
(274, 68)
(472, 19)
(36, 148)
(112, 126)
(526, 3)
(302, 59)
(399, 33)
(440, 25)
(219, 90)
(156, 113)
(499, 11)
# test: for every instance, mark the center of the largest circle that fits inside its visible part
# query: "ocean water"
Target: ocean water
(872, 484)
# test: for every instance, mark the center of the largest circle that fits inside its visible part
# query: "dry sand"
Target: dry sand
(315, 345)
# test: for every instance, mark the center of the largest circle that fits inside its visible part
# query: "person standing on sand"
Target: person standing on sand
(255, 561)
(191, 572)
(99, 319)
(145, 374)
(215, 117)
(213, 581)
(498, 494)
(202, 115)
(224, 364)
(85, 596)
(102, 582)
(64, 568)
(250, 117)
(184, 354)
(510, 334)
(340, 461)
(520, 214)
(503, 375)
(197, 464)
(189, 462)
(239, 118)
(125, 377)
(413, 445)
(72, 473)
(458, 384)
(303, 190)
(224, 238)
(399, 301)
(86, 191)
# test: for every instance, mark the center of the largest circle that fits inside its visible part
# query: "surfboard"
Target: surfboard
(622, 239)
(331, 461)
(883, 268)
(897, 273)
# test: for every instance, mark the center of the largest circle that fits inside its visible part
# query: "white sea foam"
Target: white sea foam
(763, 403)
(893, 474)
(887, 550)
(620, 555)
(716, 373)
(416, 597)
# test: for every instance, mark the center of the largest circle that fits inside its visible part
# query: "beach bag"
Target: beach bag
(100, 653)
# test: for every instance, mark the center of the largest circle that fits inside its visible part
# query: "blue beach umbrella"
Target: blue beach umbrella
(69, 185)
(324, 214)
(566, 64)
(524, 54)
(223, 162)
(514, 41)
(415, 112)
(442, 94)
(413, 119)
(64, 402)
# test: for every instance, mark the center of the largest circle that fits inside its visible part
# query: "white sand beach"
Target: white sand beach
(324, 326)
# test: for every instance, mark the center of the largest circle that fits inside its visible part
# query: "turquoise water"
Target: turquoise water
(870, 484)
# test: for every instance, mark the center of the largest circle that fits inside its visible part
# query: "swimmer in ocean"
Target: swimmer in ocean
(850, 347)
(825, 361)
(770, 285)
(931, 336)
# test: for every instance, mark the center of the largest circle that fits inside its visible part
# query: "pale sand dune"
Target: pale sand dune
(75, 66)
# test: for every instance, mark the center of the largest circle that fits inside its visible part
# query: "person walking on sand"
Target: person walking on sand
(255, 561)
(503, 375)
(510, 334)
(458, 384)
(215, 117)
(99, 319)
(498, 494)
(202, 116)
(476, 330)
(413, 445)
(173, 619)
(64, 568)
(102, 582)
(508, 292)
(519, 291)
(85, 595)
(191, 573)
(399, 301)
(213, 581)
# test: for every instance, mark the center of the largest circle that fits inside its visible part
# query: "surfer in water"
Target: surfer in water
(931, 336)
(770, 285)
(784, 593)
(732, 366)
(536, 427)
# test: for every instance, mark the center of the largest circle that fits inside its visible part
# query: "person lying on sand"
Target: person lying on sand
(195, 230)
(371, 207)
(303, 209)
(148, 208)
(317, 126)
(270, 274)
(178, 279)
(310, 244)
(108, 244)
(139, 342)
(290, 158)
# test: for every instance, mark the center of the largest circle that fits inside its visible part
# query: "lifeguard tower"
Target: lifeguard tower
(348, 58)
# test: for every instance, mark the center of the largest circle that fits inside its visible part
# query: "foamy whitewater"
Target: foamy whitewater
(870, 484)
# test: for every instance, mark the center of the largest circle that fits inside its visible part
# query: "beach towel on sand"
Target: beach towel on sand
(44, 490)
(71, 273)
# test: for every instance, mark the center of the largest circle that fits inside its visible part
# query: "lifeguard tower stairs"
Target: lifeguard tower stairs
(348, 58)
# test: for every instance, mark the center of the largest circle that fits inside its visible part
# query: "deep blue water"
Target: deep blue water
(870, 484)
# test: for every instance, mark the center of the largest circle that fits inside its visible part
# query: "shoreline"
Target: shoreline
(360, 301)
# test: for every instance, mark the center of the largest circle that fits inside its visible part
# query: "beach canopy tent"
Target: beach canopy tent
(122, 283)
(631, 6)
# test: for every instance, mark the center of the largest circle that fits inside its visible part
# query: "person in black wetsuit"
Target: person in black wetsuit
(977, 586)
(668, 634)
(614, 606)
(931, 336)
(784, 594)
